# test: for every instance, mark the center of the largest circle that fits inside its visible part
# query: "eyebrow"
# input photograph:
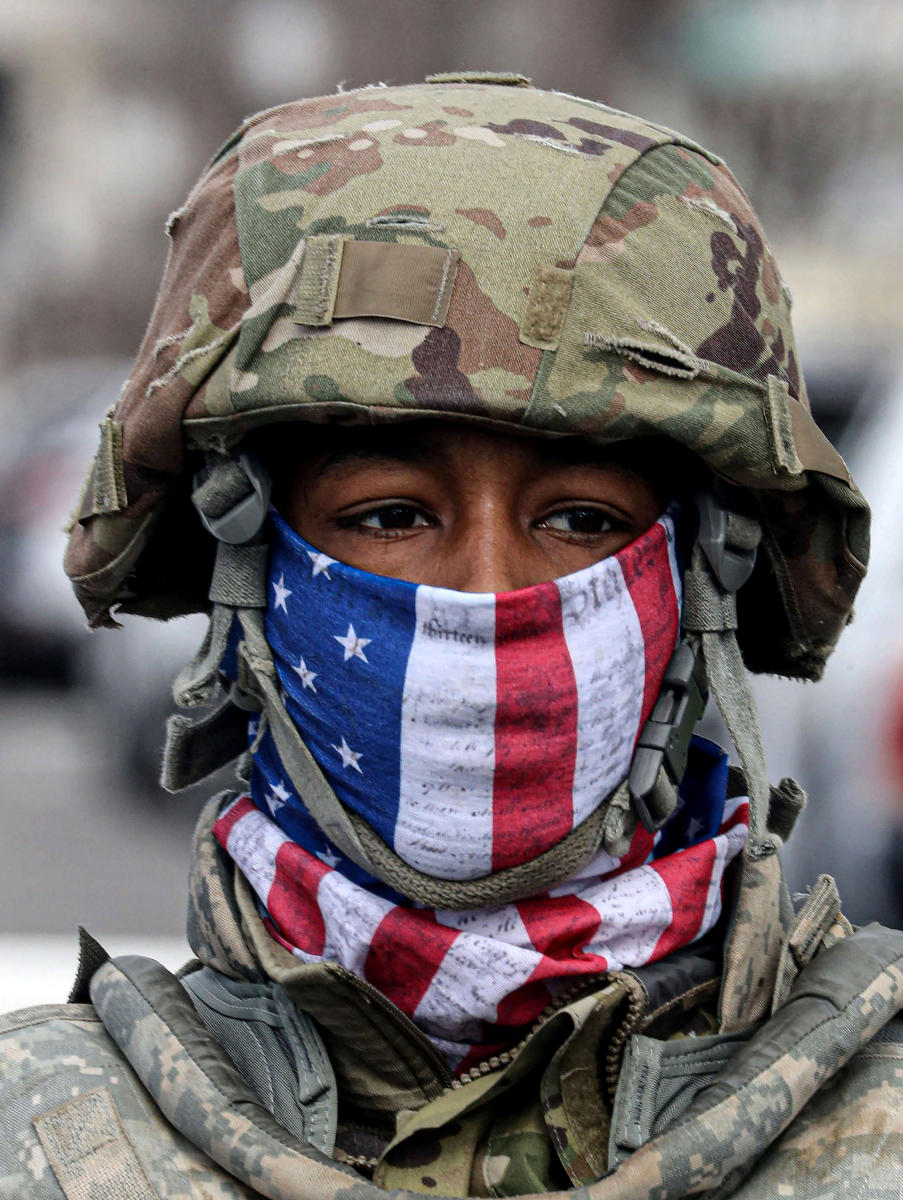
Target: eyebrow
(408, 450)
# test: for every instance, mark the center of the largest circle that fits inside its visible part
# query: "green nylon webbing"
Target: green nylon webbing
(710, 617)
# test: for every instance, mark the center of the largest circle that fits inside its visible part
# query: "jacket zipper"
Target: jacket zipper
(497, 1061)
(633, 1019)
(448, 1080)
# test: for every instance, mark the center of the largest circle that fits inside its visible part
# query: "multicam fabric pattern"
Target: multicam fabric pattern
(613, 282)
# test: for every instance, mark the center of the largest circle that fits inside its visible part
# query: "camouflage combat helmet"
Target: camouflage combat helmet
(475, 249)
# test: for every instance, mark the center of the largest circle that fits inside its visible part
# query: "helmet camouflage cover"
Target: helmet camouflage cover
(475, 249)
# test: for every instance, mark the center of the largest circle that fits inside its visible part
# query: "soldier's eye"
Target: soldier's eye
(579, 519)
(391, 516)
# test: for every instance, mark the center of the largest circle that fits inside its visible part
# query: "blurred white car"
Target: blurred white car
(849, 743)
(843, 737)
(53, 410)
(127, 673)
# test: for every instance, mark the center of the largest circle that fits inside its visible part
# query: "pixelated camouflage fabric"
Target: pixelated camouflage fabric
(179, 1122)
(53, 1054)
(670, 318)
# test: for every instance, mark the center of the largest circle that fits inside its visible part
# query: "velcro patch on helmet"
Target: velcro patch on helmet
(105, 490)
(318, 280)
(779, 427)
(795, 442)
(815, 451)
(340, 277)
(547, 304)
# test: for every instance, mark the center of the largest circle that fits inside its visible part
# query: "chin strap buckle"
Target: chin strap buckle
(728, 539)
(232, 496)
(665, 738)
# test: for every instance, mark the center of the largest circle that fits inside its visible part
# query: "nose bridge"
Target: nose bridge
(486, 555)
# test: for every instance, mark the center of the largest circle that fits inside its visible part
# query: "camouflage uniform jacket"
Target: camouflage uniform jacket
(325, 1086)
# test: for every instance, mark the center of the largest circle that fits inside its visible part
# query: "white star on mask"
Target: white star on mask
(282, 594)
(321, 563)
(307, 676)
(353, 645)
(277, 797)
(349, 756)
(329, 857)
(694, 829)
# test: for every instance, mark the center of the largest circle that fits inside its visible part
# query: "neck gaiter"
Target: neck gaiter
(473, 732)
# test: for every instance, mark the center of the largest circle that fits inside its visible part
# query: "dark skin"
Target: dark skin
(463, 507)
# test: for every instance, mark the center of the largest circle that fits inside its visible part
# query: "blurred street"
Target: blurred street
(74, 838)
(76, 835)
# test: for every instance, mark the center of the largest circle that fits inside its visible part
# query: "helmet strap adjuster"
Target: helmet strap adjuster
(232, 504)
(729, 540)
(723, 560)
(664, 740)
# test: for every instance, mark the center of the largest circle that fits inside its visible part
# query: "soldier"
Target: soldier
(472, 414)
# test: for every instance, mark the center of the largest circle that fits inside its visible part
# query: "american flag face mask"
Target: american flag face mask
(472, 731)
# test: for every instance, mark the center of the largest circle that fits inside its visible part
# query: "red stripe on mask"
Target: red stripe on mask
(292, 902)
(559, 928)
(224, 826)
(687, 876)
(535, 727)
(405, 953)
(647, 575)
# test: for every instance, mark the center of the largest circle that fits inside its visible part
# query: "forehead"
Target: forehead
(435, 442)
(314, 450)
(438, 442)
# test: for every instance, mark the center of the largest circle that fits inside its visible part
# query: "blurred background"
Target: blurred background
(107, 113)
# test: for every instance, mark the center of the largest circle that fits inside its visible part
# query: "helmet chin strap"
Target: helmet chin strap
(232, 495)
(722, 560)
(708, 659)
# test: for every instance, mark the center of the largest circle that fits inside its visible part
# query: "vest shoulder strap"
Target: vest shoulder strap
(278, 1050)
(706, 1109)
